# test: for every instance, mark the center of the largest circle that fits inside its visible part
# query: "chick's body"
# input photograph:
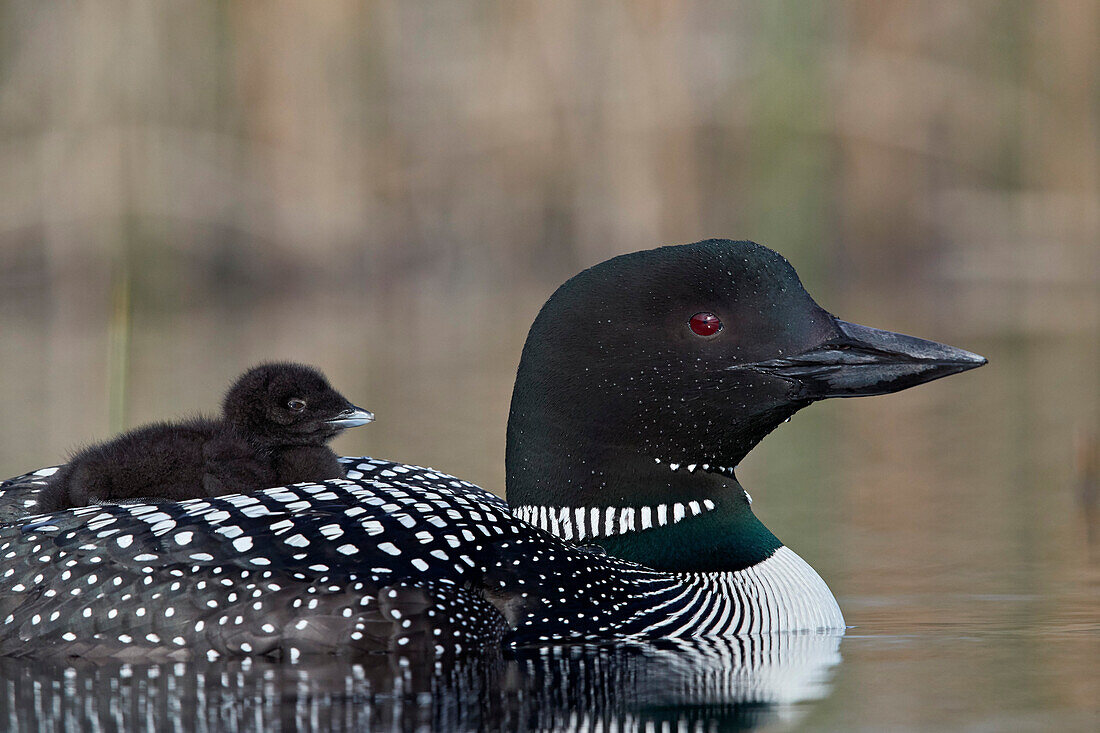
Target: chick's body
(277, 419)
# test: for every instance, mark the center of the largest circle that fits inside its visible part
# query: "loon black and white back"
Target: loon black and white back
(273, 573)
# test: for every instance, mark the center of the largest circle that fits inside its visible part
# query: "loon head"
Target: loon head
(289, 404)
(647, 378)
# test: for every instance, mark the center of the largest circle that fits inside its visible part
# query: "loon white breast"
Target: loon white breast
(693, 352)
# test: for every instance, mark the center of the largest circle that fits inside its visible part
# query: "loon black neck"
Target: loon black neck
(562, 470)
(724, 539)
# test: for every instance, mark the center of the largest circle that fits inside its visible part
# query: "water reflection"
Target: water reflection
(717, 684)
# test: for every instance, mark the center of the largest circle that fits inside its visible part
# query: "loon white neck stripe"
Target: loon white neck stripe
(582, 522)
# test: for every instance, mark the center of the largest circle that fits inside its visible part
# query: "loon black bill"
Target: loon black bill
(863, 361)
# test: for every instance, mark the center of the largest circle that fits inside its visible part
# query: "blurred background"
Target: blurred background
(390, 190)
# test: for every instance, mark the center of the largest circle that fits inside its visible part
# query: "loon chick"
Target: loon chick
(276, 419)
(643, 383)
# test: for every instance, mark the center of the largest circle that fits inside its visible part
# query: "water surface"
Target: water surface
(952, 521)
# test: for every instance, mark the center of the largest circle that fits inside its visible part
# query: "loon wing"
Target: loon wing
(336, 566)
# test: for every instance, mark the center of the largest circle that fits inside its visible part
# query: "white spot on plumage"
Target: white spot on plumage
(331, 531)
(163, 526)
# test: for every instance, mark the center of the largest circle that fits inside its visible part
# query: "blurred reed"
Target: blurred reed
(118, 340)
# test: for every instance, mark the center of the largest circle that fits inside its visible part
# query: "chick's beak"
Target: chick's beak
(351, 417)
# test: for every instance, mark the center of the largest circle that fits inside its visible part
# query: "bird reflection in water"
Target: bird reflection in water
(707, 684)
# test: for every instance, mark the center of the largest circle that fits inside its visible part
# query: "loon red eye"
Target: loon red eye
(705, 324)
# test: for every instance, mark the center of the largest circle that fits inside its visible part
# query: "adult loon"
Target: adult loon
(276, 419)
(643, 383)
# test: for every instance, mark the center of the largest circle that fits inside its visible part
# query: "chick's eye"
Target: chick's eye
(705, 324)
(296, 404)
